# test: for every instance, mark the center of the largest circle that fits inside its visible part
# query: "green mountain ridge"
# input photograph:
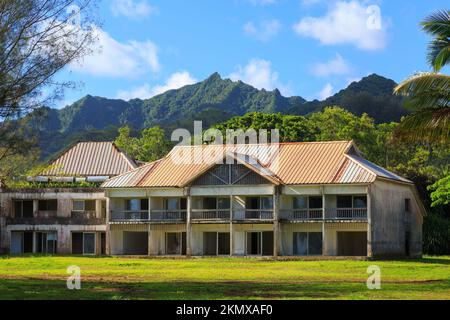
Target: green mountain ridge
(213, 100)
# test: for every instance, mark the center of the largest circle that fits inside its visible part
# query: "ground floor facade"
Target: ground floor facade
(56, 239)
(249, 239)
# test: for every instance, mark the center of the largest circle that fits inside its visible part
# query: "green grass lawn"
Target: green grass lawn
(222, 278)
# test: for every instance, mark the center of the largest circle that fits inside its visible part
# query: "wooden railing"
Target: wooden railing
(346, 213)
(301, 214)
(215, 214)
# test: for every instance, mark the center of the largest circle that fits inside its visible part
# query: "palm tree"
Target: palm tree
(428, 93)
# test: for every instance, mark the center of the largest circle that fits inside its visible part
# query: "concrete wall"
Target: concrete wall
(64, 234)
(64, 198)
(389, 219)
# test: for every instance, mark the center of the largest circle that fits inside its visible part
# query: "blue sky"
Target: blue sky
(311, 48)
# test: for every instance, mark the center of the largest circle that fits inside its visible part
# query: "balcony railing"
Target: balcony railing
(301, 214)
(84, 215)
(346, 213)
(129, 215)
(253, 214)
(168, 215)
(207, 215)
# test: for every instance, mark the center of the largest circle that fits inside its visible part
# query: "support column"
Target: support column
(35, 207)
(98, 243)
(108, 227)
(276, 222)
(98, 208)
(150, 245)
(324, 238)
(369, 223)
(231, 227)
(188, 225)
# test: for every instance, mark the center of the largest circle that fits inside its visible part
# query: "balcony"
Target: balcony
(346, 214)
(301, 214)
(253, 215)
(84, 215)
(168, 215)
(129, 215)
(210, 215)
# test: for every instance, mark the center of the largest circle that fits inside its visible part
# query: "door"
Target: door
(173, 243)
(28, 242)
(300, 243)
(16, 243)
(254, 243)
(352, 243)
(210, 243)
(267, 243)
(103, 243)
(223, 246)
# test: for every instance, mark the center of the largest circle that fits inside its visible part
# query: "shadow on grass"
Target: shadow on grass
(56, 290)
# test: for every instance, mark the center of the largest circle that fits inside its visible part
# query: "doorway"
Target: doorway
(260, 243)
(216, 243)
(176, 243)
(352, 243)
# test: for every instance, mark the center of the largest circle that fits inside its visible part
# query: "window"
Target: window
(48, 205)
(259, 203)
(300, 202)
(23, 208)
(344, 202)
(315, 202)
(360, 202)
(136, 204)
(216, 203)
(307, 243)
(407, 205)
(223, 203)
(175, 204)
(84, 205)
(83, 243)
(267, 203)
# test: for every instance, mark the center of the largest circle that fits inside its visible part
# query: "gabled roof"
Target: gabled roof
(285, 163)
(91, 159)
(297, 163)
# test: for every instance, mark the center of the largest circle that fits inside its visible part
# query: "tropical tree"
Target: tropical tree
(429, 92)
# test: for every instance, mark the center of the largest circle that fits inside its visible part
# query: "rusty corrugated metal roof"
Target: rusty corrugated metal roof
(288, 163)
(91, 159)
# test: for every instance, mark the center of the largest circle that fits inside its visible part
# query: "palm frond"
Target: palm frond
(427, 125)
(439, 53)
(438, 24)
(426, 90)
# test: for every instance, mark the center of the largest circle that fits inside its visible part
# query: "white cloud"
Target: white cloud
(259, 74)
(132, 9)
(346, 23)
(335, 66)
(326, 92)
(111, 58)
(265, 31)
(175, 81)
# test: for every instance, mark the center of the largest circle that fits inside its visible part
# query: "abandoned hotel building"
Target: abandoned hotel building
(287, 199)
